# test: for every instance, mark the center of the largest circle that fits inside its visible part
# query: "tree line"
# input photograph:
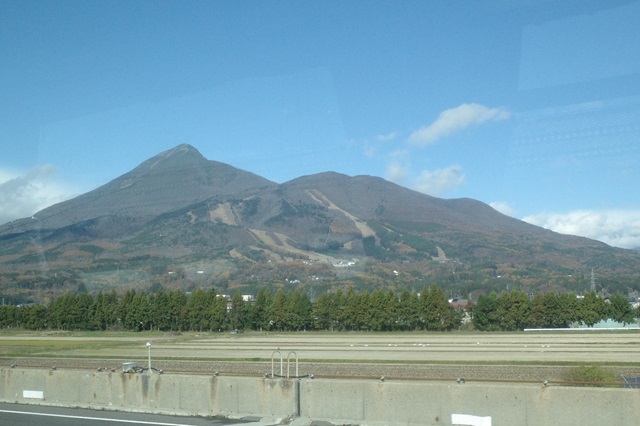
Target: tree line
(515, 310)
(350, 310)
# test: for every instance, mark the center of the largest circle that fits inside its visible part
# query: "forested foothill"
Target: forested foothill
(379, 310)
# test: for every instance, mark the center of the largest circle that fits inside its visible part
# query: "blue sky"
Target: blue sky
(530, 106)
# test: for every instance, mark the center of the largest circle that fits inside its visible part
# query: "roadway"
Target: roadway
(41, 415)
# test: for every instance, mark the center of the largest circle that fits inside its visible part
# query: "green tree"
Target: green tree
(217, 310)
(83, 301)
(570, 309)
(137, 316)
(373, 315)
(485, 313)
(278, 314)
(513, 310)
(323, 315)
(104, 311)
(407, 314)
(57, 312)
(351, 315)
(537, 318)
(70, 312)
(205, 310)
(238, 312)
(259, 314)
(554, 311)
(327, 311)
(593, 309)
(159, 310)
(620, 309)
(8, 316)
(124, 307)
(390, 306)
(437, 312)
(300, 308)
(177, 310)
(551, 310)
(34, 317)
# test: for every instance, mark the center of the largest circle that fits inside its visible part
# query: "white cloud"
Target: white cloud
(619, 228)
(435, 182)
(388, 137)
(371, 147)
(503, 207)
(456, 119)
(397, 173)
(430, 182)
(22, 195)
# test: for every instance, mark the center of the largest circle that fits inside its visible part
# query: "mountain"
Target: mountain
(181, 220)
(171, 180)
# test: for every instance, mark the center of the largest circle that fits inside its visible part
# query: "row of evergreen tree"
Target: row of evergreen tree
(379, 310)
(515, 310)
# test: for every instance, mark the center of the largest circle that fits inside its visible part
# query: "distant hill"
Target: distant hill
(180, 220)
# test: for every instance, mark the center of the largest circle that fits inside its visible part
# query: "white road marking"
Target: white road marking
(93, 418)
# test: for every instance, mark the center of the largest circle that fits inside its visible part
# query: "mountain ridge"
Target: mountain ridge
(179, 210)
(115, 197)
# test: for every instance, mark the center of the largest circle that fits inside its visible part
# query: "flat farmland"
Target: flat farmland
(523, 356)
(619, 347)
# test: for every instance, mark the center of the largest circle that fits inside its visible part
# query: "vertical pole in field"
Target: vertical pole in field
(149, 349)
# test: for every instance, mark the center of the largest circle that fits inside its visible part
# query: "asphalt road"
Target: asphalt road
(40, 415)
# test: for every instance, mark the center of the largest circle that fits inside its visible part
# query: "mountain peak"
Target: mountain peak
(182, 149)
(172, 179)
(178, 156)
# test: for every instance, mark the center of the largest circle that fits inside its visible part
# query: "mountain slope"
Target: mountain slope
(213, 222)
(168, 181)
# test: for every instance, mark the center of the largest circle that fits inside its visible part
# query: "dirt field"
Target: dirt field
(537, 347)
(521, 356)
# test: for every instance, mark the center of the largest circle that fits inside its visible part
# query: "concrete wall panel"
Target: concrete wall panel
(359, 401)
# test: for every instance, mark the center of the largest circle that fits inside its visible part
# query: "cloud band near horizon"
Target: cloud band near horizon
(23, 194)
(619, 228)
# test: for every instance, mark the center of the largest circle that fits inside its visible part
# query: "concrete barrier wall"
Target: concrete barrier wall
(356, 401)
(434, 403)
(167, 393)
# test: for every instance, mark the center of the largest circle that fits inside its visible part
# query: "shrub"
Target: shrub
(592, 375)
